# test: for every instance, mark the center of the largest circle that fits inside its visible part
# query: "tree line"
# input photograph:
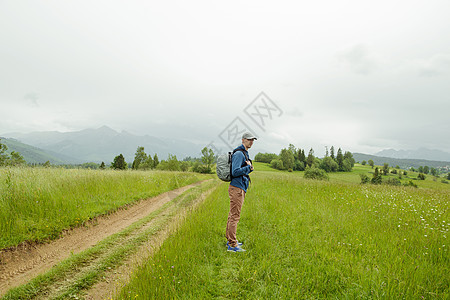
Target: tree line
(144, 161)
(293, 159)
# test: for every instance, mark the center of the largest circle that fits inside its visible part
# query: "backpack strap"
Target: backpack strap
(246, 157)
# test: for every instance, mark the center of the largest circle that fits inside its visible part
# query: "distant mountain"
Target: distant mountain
(36, 155)
(422, 153)
(104, 143)
(402, 163)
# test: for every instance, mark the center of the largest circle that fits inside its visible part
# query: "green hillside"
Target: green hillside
(401, 162)
(35, 155)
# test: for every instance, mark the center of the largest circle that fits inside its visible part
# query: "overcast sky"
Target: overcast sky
(361, 75)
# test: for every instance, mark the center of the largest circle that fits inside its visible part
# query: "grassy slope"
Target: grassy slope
(37, 204)
(308, 239)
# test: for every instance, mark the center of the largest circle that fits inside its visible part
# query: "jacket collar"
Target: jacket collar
(243, 148)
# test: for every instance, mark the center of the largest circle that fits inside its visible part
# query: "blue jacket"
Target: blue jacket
(239, 168)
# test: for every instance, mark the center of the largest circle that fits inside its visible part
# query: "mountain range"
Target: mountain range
(95, 145)
(421, 153)
(104, 143)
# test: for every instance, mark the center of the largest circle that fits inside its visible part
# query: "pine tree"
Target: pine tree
(340, 160)
(102, 166)
(332, 152)
(119, 163)
(155, 160)
(301, 156)
(311, 158)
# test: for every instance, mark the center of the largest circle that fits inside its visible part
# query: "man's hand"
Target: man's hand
(250, 164)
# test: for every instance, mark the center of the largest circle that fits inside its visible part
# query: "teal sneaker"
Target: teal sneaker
(235, 249)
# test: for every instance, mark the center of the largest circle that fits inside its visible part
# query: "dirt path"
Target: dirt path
(21, 265)
(114, 280)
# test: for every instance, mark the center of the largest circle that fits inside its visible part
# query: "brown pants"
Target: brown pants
(237, 196)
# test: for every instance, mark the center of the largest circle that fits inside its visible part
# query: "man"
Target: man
(241, 166)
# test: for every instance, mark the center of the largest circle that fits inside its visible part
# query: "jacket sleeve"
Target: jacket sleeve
(237, 160)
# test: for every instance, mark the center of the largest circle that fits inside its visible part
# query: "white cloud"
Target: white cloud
(187, 69)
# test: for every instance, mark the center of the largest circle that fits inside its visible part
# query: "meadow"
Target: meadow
(37, 204)
(308, 239)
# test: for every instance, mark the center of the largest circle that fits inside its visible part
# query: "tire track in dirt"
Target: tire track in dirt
(114, 280)
(20, 265)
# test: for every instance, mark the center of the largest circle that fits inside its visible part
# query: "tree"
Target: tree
(301, 156)
(287, 157)
(433, 172)
(328, 164)
(155, 160)
(340, 159)
(386, 169)
(332, 152)
(265, 157)
(3, 155)
(119, 163)
(348, 155)
(184, 166)
(371, 163)
(426, 170)
(421, 176)
(376, 179)
(363, 162)
(299, 165)
(420, 170)
(448, 176)
(16, 159)
(292, 149)
(172, 163)
(102, 166)
(139, 158)
(310, 159)
(347, 165)
(208, 159)
(147, 164)
(277, 164)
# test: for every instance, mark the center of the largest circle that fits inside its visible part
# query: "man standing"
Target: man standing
(241, 166)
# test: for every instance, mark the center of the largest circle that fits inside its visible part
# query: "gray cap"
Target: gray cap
(249, 136)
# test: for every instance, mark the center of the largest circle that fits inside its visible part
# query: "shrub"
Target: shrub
(393, 181)
(277, 164)
(329, 165)
(410, 183)
(184, 166)
(421, 176)
(364, 178)
(315, 173)
(444, 181)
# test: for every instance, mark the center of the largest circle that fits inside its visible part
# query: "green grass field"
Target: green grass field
(37, 204)
(308, 239)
